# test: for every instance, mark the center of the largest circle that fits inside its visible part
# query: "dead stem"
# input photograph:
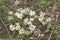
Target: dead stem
(6, 28)
(50, 36)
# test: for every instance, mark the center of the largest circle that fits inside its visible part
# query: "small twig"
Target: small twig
(6, 28)
(50, 36)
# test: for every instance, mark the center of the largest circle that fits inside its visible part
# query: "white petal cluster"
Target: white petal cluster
(10, 17)
(29, 22)
(26, 21)
(32, 13)
(48, 19)
(41, 17)
(42, 14)
(12, 27)
(21, 12)
(24, 11)
(27, 11)
(32, 19)
(21, 31)
(19, 15)
(27, 32)
(10, 12)
(16, 26)
(32, 27)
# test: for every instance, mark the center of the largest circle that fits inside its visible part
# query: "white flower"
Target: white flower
(12, 27)
(9, 18)
(32, 27)
(10, 12)
(48, 19)
(26, 20)
(32, 13)
(23, 11)
(42, 14)
(27, 32)
(19, 15)
(17, 26)
(40, 19)
(27, 10)
(29, 22)
(21, 31)
(32, 19)
(35, 16)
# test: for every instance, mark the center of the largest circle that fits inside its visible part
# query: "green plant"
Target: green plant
(21, 36)
(42, 5)
(54, 29)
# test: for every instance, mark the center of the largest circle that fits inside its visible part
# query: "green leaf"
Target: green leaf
(43, 4)
(21, 36)
(53, 29)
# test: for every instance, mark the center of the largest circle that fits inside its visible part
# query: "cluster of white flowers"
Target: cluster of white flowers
(21, 31)
(32, 13)
(16, 26)
(10, 17)
(20, 13)
(32, 19)
(32, 27)
(29, 22)
(12, 27)
(10, 12)
(48, 19)
(26, 21)
(26, 11)
(42, 19)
